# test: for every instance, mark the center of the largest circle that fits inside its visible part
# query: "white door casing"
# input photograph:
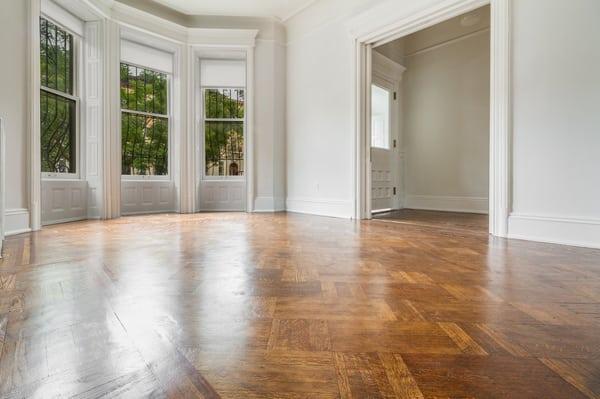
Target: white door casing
(390, 21)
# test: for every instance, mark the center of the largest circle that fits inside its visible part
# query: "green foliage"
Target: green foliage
(58, 142)
(57, 113)
(56, 57)
(144, 138)
(224, 139)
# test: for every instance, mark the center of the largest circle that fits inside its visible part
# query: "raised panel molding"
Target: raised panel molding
(63, 200)
(143, 196)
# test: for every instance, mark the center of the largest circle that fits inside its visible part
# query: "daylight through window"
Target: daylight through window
(224, 132)
(144, 122)
(58, 104)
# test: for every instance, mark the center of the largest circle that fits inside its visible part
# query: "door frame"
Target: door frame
(375, 28)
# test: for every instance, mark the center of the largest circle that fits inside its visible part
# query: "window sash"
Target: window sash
(74, 85)
(166, 117)
(206, 120)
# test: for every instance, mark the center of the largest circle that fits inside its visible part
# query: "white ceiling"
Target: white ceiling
(282, 9)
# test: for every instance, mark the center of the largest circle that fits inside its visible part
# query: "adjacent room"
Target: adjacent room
(430, 127)
(336, 199)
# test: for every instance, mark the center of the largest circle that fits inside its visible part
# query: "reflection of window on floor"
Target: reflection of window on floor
(224, 132)
(58, 102)
(144, 122)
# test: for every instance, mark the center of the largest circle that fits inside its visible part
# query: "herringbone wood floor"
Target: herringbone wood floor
(291, 306)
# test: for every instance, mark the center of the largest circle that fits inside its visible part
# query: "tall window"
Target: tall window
(58, 102)
(224, 132)
(144, 122)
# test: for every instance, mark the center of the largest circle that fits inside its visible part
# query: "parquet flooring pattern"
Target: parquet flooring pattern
(294, 306)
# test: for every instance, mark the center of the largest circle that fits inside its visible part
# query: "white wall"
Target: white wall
(556, 120)
(556, 59)
(320, 133)
(14, 108)
(446, 93)
(269, 143)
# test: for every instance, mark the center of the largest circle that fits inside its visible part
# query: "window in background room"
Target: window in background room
(144, 122)
(59, 102)
(224, 131)
(380, 117)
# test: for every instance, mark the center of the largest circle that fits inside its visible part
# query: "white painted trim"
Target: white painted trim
(2, 177)
(16, 221)
(386, 68)
(380, 25)
(447, 203)
(321, 207)
(221, 37)
(297, 11)
(269, 204)
(111, 163)
(249, 127)
(565, 231)
(61, 16)
(34, 164)
(500, 118)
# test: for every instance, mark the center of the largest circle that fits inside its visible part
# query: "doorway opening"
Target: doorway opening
(430, 125)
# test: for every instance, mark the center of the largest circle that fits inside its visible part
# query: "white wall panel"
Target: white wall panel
(145, 196)
(63, 200)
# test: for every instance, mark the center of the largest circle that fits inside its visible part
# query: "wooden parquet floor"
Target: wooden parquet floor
(473, 222)
(292, 306)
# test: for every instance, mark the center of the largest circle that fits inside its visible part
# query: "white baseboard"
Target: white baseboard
(269, 204)
(16, 221)
(447, 203)
(333, 208)
(565, 231)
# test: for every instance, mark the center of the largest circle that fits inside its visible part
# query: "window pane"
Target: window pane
(58, 127)
(224, 148)
(145, 145)
(224, 103)
(380, 117)
(143, 90)
(56, 57)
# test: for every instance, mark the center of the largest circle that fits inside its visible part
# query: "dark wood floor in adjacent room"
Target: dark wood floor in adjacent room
(473, 222)
(292, 306)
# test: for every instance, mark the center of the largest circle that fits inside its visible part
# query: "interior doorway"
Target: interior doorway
(430, 126)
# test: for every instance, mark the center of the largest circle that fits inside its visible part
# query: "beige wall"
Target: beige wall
(446, 122)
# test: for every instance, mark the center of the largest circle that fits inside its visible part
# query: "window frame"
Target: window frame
(203, 121)
(383, 85)
(168, 116)
(76, 97)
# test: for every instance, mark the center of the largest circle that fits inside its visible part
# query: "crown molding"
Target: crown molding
(151, 24)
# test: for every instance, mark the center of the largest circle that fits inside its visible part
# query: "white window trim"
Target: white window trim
(76, 96)
(169, 118)
(203, 174)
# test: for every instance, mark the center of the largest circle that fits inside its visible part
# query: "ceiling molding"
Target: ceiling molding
(135, 18)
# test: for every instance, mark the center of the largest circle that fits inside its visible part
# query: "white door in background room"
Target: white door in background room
(222, 184)
(384, 190)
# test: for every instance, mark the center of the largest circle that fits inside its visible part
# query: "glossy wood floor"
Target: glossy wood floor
(476, 223)
(292, 306)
